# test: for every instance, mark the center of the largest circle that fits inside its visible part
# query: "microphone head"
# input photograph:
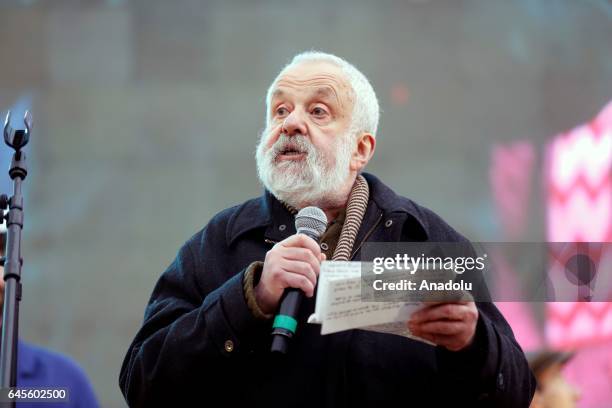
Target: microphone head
(311, 221)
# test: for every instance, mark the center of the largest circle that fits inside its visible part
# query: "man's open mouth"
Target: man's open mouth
(290, 152)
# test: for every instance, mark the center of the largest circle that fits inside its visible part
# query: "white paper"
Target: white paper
(339, 307)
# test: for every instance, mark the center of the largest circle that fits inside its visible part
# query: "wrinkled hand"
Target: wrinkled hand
(292, 263)
(451, 325)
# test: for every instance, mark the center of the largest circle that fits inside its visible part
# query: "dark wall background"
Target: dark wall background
(147, 115)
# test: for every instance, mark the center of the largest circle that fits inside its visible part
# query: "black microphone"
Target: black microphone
(310, 221)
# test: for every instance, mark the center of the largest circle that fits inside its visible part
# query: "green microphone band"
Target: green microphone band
(285, 322)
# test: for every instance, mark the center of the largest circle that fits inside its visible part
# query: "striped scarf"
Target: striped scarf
(355, 210)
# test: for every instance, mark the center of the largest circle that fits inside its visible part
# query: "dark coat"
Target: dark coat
(200, 342)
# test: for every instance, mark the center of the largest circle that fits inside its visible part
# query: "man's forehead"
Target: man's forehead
(321, 79)
(553, 371)
(323, 91)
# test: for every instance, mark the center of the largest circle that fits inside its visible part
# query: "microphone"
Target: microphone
(310, 221)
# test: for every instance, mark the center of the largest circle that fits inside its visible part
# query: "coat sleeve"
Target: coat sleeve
(493, 370)
(186, 333)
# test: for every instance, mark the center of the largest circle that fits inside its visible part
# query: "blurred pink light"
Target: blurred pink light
(400, 94)
(579, 181)
(510, 178)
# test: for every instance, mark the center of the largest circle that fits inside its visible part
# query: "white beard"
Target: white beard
(316, 180)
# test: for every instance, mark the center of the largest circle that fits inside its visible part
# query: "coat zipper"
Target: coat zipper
(367, 235)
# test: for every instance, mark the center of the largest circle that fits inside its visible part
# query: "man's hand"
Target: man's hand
(292, 263)
(451, 325)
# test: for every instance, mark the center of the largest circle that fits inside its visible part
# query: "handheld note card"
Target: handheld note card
(339, 305)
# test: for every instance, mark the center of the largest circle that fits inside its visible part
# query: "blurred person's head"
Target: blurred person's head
(553, 390)
(321, 118)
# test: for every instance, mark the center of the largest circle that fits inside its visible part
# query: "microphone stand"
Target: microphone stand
(16, 139)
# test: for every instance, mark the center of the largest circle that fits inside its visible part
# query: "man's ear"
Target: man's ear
(366, 144)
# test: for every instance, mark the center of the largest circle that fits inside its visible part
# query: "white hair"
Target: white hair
(315, 181)
(366, 111)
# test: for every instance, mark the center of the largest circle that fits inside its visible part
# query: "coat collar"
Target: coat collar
(268, 212)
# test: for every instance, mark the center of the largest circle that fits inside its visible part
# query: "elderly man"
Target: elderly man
(206, 334)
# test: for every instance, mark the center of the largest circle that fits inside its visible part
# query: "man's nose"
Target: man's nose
(294, 124)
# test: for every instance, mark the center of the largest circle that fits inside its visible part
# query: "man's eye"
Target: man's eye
(281, 111)
(319, 112)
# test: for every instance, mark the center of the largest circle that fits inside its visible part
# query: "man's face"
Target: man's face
(305, 151)
(554, 390)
